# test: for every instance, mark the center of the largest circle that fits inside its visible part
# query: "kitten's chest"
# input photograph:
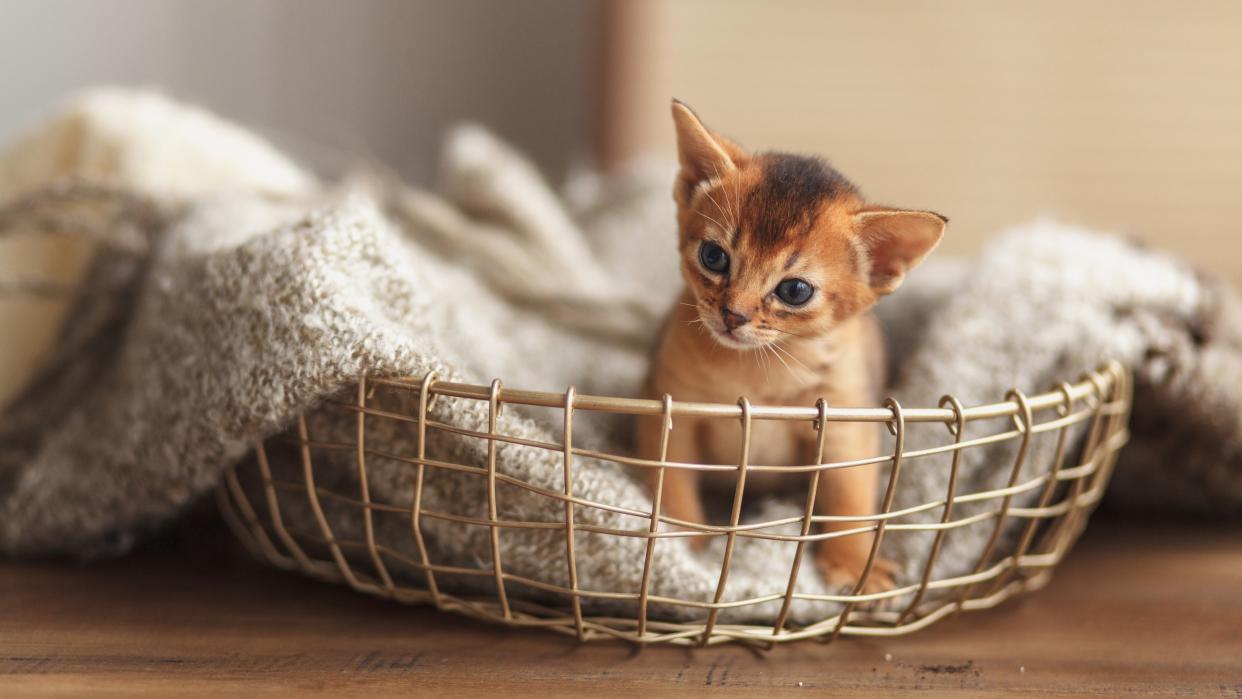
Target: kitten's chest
(801, 380)
(772, 442)
(691, 367)
(765, 378)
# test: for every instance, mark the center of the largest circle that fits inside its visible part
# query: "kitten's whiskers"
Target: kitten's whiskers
(768, 327)
(723, 228)
(784, 350)
(719, 208)
(729, 201)
(764, 353)
(737, 198)
(788, 368)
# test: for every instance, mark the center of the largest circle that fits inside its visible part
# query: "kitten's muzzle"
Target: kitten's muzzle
(732, 320)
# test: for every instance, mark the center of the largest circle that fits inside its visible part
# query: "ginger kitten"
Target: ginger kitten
(782, 260)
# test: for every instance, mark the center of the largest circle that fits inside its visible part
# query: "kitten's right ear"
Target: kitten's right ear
(896, 241)
(703, 155)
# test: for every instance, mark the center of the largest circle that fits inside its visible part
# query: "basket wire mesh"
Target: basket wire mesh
(1099, 402)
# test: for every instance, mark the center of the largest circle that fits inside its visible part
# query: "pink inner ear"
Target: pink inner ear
(897, 242)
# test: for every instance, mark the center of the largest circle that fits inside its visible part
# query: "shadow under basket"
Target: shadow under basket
(1030, 522)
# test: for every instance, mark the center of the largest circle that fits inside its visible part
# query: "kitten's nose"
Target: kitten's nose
(732, 320)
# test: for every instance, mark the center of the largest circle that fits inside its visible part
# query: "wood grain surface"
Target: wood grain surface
(1138, 609)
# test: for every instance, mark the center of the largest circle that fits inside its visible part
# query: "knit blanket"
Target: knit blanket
(213, 316)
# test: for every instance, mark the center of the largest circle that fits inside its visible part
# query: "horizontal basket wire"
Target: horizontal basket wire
(1061, 499)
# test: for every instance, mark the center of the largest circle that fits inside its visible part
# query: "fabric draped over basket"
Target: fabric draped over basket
(211, 318)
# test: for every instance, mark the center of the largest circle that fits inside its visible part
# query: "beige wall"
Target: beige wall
(1124, 116)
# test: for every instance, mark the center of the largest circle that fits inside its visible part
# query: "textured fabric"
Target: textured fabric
(245, 309)
(1042, 304)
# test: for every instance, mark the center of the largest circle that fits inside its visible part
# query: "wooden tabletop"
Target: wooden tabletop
(1137, 609)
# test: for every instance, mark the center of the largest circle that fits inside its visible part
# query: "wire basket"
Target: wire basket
(1040, 515)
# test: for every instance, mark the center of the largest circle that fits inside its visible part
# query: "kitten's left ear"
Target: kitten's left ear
(896, 242)
(703, 155)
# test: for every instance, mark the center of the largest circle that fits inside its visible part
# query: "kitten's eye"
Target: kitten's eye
(795, 292)
(714, 257)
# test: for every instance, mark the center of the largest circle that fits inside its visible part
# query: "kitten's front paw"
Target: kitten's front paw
(700, 543)
(842, 568)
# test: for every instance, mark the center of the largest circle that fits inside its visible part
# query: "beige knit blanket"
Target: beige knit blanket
(212, 316)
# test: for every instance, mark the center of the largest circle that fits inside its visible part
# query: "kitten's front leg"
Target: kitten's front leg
(680, 498)
(851, 492)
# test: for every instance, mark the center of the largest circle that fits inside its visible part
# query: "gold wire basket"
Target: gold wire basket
(1052, 510)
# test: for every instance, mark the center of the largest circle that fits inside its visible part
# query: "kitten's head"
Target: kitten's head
(780, 247)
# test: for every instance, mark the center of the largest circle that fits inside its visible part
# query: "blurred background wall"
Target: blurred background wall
(1122, 115)
(378, 78)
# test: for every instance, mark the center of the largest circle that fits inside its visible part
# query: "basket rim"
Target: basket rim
(1104, 392)
(1091, 384)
